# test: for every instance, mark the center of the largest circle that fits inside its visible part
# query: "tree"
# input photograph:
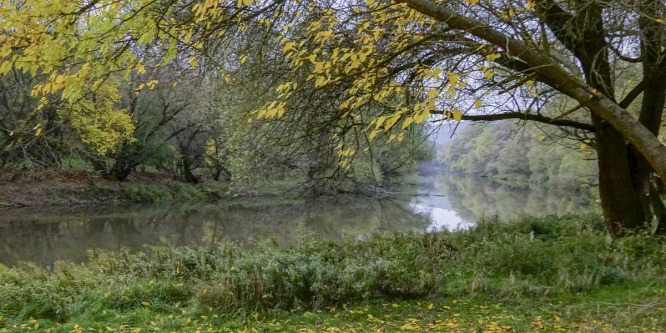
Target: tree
(472, 59)
(519, 54)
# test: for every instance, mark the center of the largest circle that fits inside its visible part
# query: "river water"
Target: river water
(437, 202)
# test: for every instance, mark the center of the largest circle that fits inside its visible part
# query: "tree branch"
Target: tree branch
(526, 116)
(606, 108)
(631, 96)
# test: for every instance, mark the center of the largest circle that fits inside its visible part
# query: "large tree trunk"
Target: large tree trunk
(641, 171)
(652, 107)
(621, 207)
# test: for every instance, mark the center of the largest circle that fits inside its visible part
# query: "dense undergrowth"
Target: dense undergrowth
(543, 260)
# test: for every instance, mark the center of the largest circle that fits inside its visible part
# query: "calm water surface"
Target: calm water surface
(44, 235)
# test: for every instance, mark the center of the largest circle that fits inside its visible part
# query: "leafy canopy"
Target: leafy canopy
(410, 58)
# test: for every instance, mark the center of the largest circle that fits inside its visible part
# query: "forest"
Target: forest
(520, 154)
(286, 156)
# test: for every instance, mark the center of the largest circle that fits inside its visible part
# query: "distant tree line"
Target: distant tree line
(514, 152)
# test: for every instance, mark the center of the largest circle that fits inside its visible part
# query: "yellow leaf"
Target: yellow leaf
(144, 303)
(373, 134)
(432, 93)
(430, 306)
(193, 62)
(457, 114)
(493, 57)
(140, 69)
(541, 138)
(422, 116)
(320, 81)
(379, 121)
(319, 67)
(477, 103)
(408, 121)
(659, 20)
(390, 122)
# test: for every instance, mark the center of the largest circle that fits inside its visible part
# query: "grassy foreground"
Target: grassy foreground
(542, 274)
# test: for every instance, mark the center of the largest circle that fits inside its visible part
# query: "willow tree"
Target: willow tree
(469, 59)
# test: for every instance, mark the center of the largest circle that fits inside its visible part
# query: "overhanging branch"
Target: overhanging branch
(603, 106)
(526, 116)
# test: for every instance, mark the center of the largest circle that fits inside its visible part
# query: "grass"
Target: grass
(468, 314)
(534, 274)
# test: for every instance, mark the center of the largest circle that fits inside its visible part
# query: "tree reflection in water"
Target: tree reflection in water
(44, 235)
(48, 234)
(475, 197)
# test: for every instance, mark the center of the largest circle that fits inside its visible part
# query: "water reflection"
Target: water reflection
(442, 201)
(49, 234)
(474, 197)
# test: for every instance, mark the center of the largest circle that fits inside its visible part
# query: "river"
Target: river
(437, 202)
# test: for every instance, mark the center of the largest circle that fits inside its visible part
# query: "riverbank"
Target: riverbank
(66, 188)
(56, 188)
(542, 274)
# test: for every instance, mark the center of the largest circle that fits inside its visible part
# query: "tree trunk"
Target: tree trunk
(188, 172)
(652, 107)
(621, 207)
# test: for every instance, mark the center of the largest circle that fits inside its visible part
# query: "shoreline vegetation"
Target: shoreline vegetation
(532, 274)
(59, 188)
(65, 187)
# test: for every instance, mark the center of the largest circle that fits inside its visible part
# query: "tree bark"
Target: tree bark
(621, 207)
(652, 108)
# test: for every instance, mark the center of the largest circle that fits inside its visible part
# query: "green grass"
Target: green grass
(496, 277)
(468, 314)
